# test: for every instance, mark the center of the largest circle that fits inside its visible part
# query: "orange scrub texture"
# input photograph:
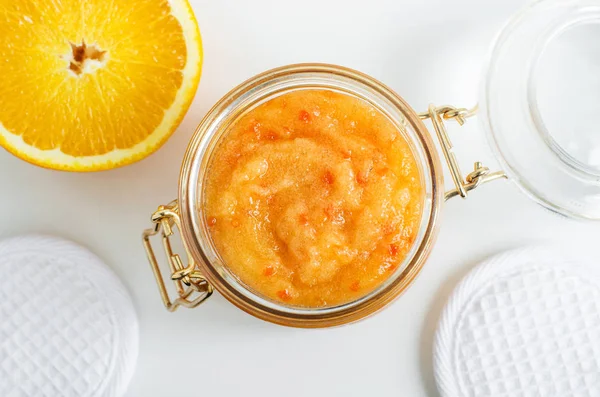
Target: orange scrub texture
(313, 198)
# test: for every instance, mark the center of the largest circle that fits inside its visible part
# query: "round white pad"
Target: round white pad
(67, 324)
(523, 323)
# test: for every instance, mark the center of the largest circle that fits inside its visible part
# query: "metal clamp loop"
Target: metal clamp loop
(192, 288)
(480, 173)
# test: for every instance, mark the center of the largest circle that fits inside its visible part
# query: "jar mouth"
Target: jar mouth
(215, 127)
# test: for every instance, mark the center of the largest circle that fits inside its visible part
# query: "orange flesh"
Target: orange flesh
(313, 198)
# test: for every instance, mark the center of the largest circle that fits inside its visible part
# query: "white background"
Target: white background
(428, 51)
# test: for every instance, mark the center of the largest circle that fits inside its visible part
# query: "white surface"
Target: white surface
(428, 51)
(67, 324)
(523, 323)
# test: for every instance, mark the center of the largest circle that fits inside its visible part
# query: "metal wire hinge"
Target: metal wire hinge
(192, 288)
(480, 174)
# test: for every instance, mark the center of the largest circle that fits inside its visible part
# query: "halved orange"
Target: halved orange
(88, 85)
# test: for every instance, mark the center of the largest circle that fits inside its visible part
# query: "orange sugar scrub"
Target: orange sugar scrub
(313, 198)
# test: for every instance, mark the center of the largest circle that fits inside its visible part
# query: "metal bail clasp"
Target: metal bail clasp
(480, 173)
(192, 288)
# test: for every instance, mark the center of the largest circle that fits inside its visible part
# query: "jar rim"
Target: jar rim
(197, 158)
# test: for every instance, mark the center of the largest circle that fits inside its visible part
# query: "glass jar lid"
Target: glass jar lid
(540, 100)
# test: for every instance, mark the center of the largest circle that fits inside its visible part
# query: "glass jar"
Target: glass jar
(555, 174)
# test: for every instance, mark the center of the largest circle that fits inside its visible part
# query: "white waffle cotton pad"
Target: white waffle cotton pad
(523, 323)
(67, 324)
